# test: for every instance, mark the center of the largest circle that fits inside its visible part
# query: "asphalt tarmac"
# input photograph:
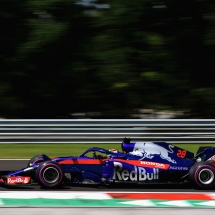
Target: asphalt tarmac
(106, 211)
(18, 164)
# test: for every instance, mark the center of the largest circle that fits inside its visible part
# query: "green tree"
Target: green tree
(152, 54)
(58, 57)
(14, 30)
(50, 69)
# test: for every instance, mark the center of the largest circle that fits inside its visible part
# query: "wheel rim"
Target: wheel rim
(206, 176)
(50, 175)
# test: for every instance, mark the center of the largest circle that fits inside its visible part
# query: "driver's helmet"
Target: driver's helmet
(113, 150)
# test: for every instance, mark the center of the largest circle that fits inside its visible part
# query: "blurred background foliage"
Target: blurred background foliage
(58, 57)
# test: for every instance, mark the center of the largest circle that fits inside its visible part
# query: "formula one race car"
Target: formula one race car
(139, 163)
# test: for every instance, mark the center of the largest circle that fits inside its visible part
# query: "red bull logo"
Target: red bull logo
(137, 174)
(150, 149)
(18, 180)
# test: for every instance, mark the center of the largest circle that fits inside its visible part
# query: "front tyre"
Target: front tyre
(202, 176)
(50, 175)
(34, 160)
(37, 159)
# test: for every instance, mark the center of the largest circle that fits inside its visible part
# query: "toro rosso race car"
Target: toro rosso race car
(139, 163)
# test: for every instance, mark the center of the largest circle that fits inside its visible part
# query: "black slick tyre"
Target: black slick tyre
(50, 175)
(34, 160)
(202, 176)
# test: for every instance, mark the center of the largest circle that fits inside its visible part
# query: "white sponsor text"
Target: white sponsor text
(138, 174)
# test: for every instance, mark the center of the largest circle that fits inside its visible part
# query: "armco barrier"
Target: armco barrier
(106, 130)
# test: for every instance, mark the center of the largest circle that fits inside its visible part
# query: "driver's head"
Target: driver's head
(113, 150)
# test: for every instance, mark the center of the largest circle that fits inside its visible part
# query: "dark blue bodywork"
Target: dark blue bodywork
(138, 162)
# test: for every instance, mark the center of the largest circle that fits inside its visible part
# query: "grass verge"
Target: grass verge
(52, 150)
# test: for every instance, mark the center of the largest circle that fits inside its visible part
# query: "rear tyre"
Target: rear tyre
(202, 176)
(50, 175)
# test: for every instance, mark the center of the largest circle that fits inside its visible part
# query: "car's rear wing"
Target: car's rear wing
(205, 152)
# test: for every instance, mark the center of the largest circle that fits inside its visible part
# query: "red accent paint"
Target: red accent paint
(162, 196)
(81, 161)
(181, 153)
(1, 180)
(18, 180)
(148, 164)
(213, 163)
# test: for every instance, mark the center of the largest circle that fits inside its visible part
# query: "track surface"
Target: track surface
(19, 164)
(105, 211)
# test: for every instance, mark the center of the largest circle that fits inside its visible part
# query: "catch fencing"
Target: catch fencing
(106, 130)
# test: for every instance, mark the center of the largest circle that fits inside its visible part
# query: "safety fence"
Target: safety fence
(106, 130)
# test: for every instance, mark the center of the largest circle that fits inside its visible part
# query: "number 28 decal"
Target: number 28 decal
(181, 153)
